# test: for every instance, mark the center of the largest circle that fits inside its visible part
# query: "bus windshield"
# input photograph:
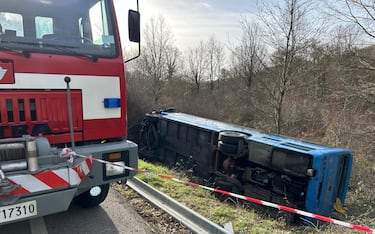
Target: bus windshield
(72, 27)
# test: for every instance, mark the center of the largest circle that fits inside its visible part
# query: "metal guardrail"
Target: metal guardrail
(192, 220)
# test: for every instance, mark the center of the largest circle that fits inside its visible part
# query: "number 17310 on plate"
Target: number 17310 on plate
(18, 211)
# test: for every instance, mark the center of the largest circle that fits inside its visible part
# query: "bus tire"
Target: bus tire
(227, 148)
(231, 137)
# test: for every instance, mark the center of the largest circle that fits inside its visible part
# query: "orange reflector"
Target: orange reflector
(114, 156)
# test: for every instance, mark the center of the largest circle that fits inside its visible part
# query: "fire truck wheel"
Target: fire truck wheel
(87, 200)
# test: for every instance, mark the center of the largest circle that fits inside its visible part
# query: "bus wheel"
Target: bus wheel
(231, 137)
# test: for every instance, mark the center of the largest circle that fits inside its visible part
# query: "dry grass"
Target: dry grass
(245, 217)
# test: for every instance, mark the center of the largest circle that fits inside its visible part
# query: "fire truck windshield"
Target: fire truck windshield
(69, 27)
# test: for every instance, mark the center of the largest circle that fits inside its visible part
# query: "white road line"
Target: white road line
(38, 226)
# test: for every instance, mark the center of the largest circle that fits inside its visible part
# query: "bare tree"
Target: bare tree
(359, 12)
(249, 56)
(344, 38)
(197, 65)
(158, 60)
(362, 14)
(173, 62)
(288, 29)
(215, 59)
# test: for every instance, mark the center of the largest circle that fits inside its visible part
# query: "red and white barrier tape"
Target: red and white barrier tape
(250, 199)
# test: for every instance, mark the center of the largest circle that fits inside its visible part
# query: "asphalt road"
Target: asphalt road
(114, 215)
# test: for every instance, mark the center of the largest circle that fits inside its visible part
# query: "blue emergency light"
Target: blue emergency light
(112, 102)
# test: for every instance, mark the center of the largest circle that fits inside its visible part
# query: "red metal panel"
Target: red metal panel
(2, 111)
(72, 65)
(15, 109)
(44, 112)
(65, 64)
(104, 128)
(6, 72)
(64, 138)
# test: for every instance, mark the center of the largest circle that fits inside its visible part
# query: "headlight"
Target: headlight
(111, 170)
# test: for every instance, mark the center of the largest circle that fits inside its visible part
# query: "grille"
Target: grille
(34, 112)
(12, 151)
(15, 109)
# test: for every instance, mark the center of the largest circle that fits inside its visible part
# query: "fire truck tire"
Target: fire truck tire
(231, 137)
(86, 200)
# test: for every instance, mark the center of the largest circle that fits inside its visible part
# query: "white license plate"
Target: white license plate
(18, 211)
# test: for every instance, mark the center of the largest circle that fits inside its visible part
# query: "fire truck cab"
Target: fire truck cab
(62, 84)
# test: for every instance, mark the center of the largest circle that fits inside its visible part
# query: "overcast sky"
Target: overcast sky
(194, 20)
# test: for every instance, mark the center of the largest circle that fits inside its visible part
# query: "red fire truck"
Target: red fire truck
(62, 84)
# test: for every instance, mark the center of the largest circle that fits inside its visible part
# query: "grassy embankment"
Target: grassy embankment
(246, 218)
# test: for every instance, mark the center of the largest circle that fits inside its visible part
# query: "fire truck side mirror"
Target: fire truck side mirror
(134, 26)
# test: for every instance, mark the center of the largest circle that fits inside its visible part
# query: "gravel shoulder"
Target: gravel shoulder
(158, 220)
